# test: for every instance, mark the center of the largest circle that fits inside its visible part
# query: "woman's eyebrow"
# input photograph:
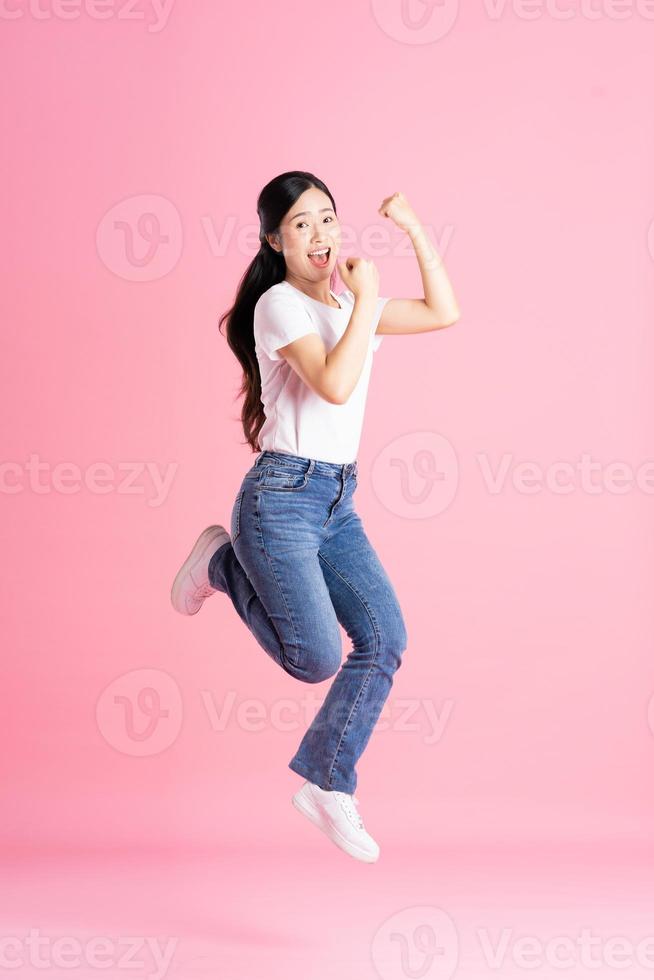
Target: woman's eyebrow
(308, 212)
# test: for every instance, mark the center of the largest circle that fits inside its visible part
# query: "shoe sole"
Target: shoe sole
(306, 807)
(208, 537)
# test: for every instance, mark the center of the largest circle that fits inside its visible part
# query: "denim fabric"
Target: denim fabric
(299, 563)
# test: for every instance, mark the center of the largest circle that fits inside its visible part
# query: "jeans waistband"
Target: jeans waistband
(308, 464)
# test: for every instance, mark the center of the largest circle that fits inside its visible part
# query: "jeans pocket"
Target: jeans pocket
(277, 476)
(235, 528)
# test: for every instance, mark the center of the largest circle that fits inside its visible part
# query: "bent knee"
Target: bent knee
(315, 667)
(394, 634)
(394, 637)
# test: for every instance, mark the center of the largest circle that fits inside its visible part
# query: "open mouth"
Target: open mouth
(320, 257)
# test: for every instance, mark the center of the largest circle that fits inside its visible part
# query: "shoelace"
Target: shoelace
(347, 801)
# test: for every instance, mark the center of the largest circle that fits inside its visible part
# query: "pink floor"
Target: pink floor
(420, 912)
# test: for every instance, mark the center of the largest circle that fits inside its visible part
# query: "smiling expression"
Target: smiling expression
(309, 237)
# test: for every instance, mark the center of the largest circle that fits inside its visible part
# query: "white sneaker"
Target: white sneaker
(335, 813)
(191, 586)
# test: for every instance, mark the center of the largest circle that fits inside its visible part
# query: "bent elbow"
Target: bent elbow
(450, 321)
(335, 397)
(333, 393)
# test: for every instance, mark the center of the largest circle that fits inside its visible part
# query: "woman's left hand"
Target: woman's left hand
(397, 208)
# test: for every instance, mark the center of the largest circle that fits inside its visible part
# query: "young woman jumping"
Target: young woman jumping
(296, 561)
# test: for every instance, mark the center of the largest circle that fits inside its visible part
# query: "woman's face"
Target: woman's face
(309, 226)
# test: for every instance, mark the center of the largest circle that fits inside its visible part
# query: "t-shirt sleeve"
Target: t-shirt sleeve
(381, 303)
(378, 337)
(279, 320)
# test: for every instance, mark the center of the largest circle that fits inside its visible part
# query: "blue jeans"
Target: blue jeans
(298, 564)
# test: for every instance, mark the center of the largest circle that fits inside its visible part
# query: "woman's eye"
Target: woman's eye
(300, 223)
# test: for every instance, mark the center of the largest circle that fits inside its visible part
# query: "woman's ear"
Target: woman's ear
(274, 242)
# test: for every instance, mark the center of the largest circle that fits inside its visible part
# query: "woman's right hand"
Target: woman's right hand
(361, 276)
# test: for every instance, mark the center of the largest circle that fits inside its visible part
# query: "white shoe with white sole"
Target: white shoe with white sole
(192, 586)
(336, 814)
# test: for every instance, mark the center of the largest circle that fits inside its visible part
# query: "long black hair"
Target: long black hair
(267, 268)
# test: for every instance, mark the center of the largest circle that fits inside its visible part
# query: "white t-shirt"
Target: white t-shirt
(299, 421)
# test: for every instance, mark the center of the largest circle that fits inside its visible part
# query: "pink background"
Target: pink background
(524, 143)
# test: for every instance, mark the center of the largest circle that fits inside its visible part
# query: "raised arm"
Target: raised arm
(438, 308)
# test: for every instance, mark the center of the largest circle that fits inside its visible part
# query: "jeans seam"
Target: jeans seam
(285, 659)
(369, 671)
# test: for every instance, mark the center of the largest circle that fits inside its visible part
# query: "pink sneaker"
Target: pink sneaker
(336, 814)
(191, 586)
